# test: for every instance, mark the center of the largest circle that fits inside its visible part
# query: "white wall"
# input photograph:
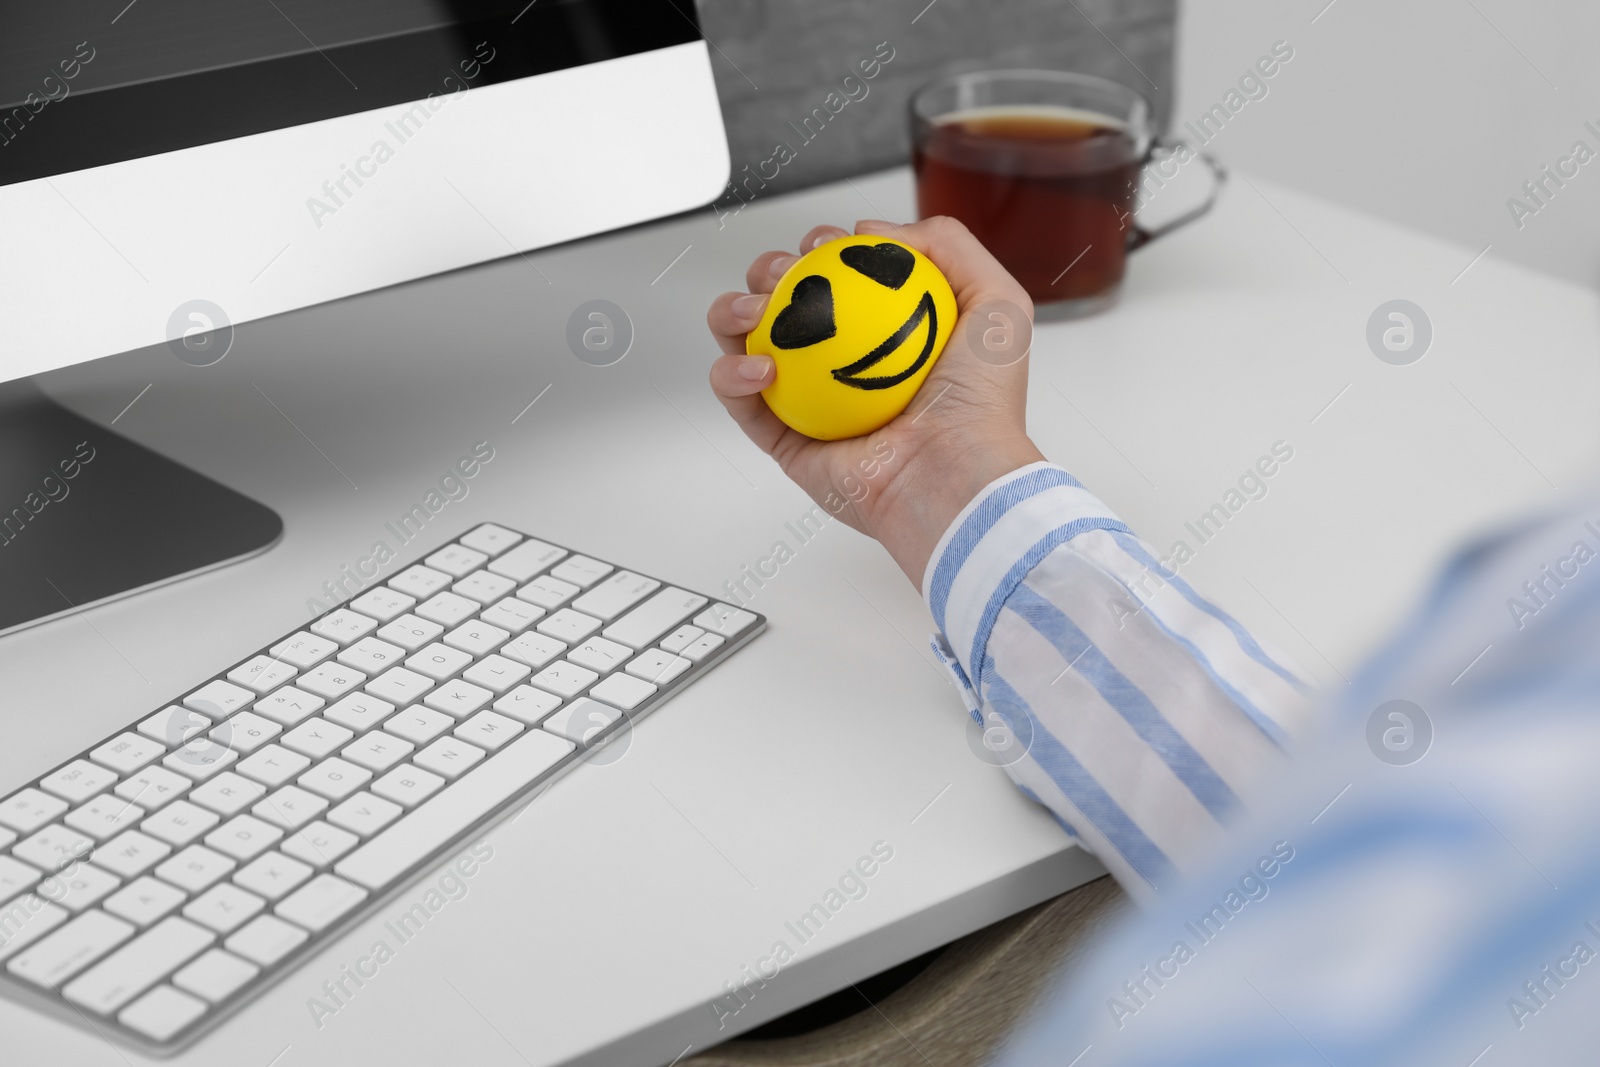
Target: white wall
(1429, 112)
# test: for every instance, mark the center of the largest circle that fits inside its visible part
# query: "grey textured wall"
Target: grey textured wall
(776, 60)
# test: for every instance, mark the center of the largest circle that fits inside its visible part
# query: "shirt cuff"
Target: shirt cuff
(1012, 524)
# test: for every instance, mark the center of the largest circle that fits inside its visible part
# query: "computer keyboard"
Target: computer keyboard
(164, 877)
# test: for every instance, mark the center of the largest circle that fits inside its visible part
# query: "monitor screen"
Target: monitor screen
(161, 75)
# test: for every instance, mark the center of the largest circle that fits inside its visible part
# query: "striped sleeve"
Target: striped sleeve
(1135, 710)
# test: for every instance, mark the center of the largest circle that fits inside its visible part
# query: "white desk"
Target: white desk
(617, 906)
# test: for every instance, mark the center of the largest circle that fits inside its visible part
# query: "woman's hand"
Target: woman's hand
(903, 484)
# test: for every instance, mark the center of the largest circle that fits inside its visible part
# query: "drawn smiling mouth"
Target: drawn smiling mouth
(851, 375)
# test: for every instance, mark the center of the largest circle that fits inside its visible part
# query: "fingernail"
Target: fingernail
(873, 224)
(755, 368)
(819, 240)
(749, 306)
(781, 264)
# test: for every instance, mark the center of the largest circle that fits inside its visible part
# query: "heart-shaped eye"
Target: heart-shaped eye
(887, 264)
(809, 316)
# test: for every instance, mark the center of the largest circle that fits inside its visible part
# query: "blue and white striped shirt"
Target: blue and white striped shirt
(1371, 883)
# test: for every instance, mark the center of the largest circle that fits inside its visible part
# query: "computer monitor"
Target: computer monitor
(171, 169)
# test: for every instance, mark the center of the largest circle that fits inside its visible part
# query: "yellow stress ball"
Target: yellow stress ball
(853, 327)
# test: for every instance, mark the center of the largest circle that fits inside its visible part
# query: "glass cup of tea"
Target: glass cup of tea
(1048, 170)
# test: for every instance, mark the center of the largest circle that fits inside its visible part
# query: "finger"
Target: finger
(818, 236)
(974, 273)
(732, 315)
(741, 396)
(767, 268)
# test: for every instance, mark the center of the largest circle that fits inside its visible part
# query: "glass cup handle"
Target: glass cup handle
(1139, 236)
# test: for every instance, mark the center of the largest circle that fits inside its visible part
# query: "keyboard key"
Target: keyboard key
(458, 698)
(107, 815)
(581, 571)
(215, 975)
(172, 725)
(223, 908)
(136, 966)
(290, 807)
(304, 650)
(317, 738)
(335, 778)
(228, 794)
(131, 853)
(512, 615)
(245, 732)
(7, 837)
(419, 581)
(359, 711)
(273, 765)
(703, 647)
(724, 619)
(200, 758)
(564, 679)
(126, 753)
(383, 603)
(483, 587)
(29, 809)
(243, 837)
(344, 626)
(144, 900)
(262, 674)
(448, 756)
(78, 781)
(318, 844)
(496, 673)
(527, 704)
(319, 902)
(419, 725)
(378, 751)
(410, 632)
(16, 876)
(218, 699)
(54, 959)
(681, 638)
(457, 560)
(289, 706)
(616, 594)
(601, 655)
(399, 685)
(196, 868)
(180, 822)
(534, 649)
(153, 787)
(526, 560)
(77, 888)
(568, 625)
(364, 814)
(447, 609)
(408, 786)
(161, 1012)
(272, 874)
(623, 690)
(53, 848)
(663, 611)
(331, 680)
(371, 655)
(476, 637)
(39, 921)
(547, 592)
(438, 661)
(451, 811)
(489, 730)
(581, 720)
(265, 940)
(490, 539)
(654, 665)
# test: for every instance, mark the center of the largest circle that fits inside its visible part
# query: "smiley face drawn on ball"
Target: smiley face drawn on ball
(809, 317)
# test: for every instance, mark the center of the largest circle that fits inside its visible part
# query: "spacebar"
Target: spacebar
(440, 819)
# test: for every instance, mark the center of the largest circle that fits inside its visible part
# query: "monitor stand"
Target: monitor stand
(87, 515)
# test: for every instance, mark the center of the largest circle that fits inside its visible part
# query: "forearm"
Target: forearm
(1145, 712)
